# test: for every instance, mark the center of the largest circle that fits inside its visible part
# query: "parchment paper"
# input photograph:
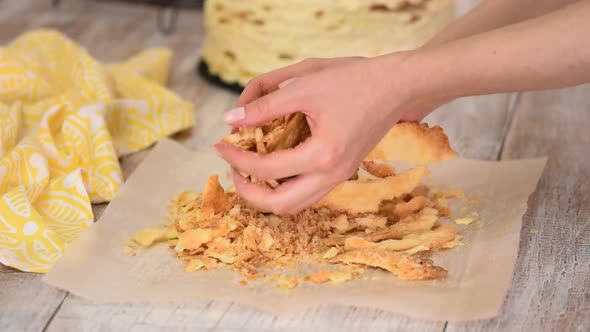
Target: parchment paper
(96, 267)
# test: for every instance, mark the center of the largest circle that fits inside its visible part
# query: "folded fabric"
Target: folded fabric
(65, 119)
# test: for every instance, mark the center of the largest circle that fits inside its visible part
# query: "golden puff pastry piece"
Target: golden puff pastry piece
(415, 143)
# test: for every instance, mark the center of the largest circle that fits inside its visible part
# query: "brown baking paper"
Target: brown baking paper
(96, 267)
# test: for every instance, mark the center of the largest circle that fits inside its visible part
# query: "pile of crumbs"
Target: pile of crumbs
(392, 223)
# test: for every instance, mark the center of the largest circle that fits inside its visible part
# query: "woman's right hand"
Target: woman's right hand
(350, 104)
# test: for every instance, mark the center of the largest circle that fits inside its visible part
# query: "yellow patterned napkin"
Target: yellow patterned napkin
(64, 121)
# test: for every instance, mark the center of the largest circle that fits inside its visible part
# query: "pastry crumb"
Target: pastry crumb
(464, 221)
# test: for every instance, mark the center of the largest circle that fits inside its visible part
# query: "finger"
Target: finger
(276, 165)
(267, 108)
(247, 189)
(238, 179)
(283, 199)
(272, 81)
(309, 201)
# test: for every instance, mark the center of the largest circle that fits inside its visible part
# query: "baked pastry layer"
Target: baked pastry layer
(247, 38)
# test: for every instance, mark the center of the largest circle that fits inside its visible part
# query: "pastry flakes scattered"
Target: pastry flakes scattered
(379, 220)
(256, 245)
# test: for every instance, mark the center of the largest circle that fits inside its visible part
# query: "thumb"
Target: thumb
(263, 110)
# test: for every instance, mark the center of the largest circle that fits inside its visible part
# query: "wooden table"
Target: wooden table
(551, 285)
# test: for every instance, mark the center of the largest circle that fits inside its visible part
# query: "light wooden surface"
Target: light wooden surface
(551, 286)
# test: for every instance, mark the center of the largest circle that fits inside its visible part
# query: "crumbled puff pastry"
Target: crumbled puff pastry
(331, 253)
(464, 220)
(319, 277)
(378, 170)
(257, 245)
(385, 221)
(147, 237)
(415, 143)
(355, 197)
(283, 133)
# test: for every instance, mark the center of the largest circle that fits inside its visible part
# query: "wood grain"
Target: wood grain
(26, 304)
(476, 126)
(78, 314)
(550, 289)
(551, 285)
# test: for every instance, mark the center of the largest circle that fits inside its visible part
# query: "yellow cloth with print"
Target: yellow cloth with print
(64, 121)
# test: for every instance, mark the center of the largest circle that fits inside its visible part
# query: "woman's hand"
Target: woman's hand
(350, 104)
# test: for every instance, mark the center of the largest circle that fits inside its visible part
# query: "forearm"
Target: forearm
(493, 14)
(549, 51)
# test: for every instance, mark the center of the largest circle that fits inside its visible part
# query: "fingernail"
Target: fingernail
(287, 82)
(234, 115)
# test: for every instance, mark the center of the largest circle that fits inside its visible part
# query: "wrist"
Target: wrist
(408, 80)
(433, 75)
